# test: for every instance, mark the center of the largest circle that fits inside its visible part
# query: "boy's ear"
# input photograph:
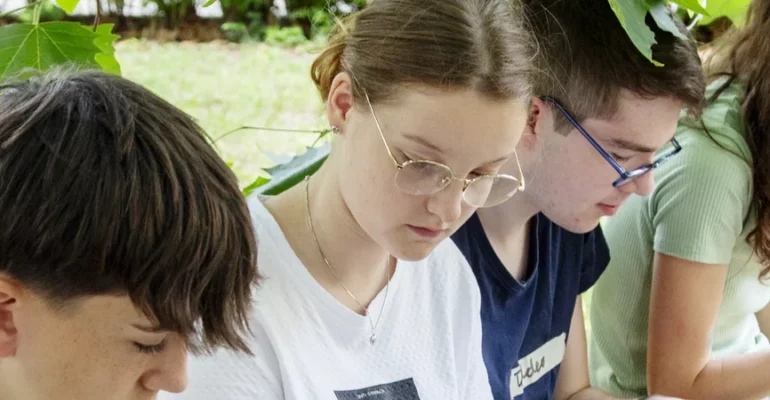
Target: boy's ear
(535, 120)
(10, 295)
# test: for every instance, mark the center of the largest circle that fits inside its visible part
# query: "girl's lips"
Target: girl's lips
(426, 232)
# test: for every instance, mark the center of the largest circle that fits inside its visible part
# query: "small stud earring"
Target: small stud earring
(336, 130)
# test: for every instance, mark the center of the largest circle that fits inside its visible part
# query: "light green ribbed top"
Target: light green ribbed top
(699, 211)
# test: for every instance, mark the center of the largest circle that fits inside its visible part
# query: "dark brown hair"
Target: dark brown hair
(590, 58)
(106, 189)
(451, 44)
(745, 55)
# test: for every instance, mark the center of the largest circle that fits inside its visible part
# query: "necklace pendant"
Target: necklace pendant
(373, 339)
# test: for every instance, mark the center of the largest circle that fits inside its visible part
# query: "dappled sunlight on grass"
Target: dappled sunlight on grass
(225, 86)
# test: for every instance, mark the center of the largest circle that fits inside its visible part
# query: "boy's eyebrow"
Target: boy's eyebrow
(629, 145)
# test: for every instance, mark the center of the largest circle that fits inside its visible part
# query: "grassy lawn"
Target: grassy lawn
(225, 86)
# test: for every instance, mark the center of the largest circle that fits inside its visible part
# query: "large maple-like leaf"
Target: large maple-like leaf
(39, 47)
(632, 14)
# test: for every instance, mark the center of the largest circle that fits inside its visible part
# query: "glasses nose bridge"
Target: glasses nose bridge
(466, 182)
(451, 177)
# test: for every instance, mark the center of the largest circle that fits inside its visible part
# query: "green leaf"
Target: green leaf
(733, 9)
(631, 14)
(286, 175)
(40, 47)
(692, 5)
(105, 42)
(254, 185)
(662, 17)
(68, 5)
(209, 2)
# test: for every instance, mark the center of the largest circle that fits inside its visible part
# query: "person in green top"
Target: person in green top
(682, 310)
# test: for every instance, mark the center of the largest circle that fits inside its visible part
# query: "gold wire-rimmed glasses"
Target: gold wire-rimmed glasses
(426, 177)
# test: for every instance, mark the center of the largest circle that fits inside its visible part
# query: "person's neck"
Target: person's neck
(507, 229)
(506, 221)
(358, 261)
(9, 381)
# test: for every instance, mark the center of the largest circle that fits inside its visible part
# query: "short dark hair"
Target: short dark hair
(105, 188)
(589, 58)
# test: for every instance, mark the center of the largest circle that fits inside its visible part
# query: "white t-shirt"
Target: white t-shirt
(309, 346)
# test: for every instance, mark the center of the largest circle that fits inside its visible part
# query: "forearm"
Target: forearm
(685, 298)
(737, 377)
(596, 394)
(591, 394)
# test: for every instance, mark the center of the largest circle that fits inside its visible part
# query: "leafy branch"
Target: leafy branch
(24, 7)
(632, 15)
(40, 46)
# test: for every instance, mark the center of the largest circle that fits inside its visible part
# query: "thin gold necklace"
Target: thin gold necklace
(373, 325)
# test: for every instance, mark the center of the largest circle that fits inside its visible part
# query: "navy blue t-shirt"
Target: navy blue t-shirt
(525, 323)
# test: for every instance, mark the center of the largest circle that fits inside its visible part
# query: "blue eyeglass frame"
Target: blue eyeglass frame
(625, 176)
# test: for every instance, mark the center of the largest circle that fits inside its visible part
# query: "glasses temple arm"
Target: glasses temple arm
(379, 129)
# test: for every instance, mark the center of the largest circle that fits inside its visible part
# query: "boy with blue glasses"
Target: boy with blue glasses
(601, 119)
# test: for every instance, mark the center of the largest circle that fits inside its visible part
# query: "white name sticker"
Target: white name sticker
(538, 363)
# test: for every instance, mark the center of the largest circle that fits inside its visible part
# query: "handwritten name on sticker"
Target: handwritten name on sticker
(538, 363)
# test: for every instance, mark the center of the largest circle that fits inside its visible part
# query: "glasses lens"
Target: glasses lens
(490, 191)
(423, 178)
